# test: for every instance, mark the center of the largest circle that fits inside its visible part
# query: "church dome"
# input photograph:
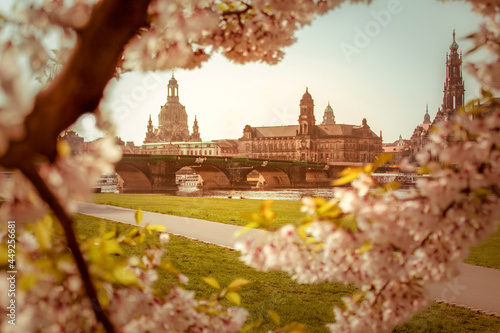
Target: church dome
(307, 96)
(328, 108)
(172, 81)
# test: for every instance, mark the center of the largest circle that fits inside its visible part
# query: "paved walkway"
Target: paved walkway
(476, 288)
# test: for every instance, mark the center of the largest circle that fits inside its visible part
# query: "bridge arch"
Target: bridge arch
(315, 177)
(134, 179)
(211, 177)
(272, 177)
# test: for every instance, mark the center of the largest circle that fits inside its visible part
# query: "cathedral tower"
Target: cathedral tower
(307, 121)
(454, 84)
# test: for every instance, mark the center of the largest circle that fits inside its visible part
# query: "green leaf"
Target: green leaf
(236, 284)
(125, 275)
(169, 267)
(112, 247)
(234, 297)
(356, 297)
(348, 222)
(27, 281)
(367, 246)
(156, 227)
(211, 282)
(423, 170)
(247, 228)
(301, 230)
(274, 317)
(4, 257)
(43, 232)
(138, 216)
(109, 235)
(347, 178)
(381, 160)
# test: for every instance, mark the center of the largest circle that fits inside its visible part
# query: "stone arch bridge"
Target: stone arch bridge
(156, 173)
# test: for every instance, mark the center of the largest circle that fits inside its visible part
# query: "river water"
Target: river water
(275, 194)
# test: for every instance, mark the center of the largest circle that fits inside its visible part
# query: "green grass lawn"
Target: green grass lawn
(230, 211)
(213, 209)
(309, 304)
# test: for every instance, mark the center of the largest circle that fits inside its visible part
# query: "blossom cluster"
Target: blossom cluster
(391, 247)
(51, 298)
(185, 34)
(398, 244)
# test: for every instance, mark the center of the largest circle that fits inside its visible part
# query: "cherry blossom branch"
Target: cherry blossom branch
(32, 174)
(79, 88)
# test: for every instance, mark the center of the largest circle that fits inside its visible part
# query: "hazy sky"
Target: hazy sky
(388, 80)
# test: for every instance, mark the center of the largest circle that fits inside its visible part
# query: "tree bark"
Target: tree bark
(78, 89)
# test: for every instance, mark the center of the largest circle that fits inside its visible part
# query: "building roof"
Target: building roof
(226, 143)
(334, 130)
(324, 131)
(276, 131)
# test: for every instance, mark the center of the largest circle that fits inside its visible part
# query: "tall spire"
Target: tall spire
(454, 84)
(427, 117)
(195, 137)
(454, 45)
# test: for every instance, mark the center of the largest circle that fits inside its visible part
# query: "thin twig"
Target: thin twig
(31, 173)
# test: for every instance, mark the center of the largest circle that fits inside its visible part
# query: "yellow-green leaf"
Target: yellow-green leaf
(301, 230)
(381, 160)
(43, 232)
(156, 227)
(211, 282)
(169, 267)
(348, 222)
(367, 246)
(234, 297)
(266, 212)
(138, 216)
(134, 232)
(125, 275)
(274, 317)
(27, 281)
(246, 229)
(109, 235)
(356, 297)
(423, 170)
(4, 257)
(237, 283)
(346, 179)
(112, 247)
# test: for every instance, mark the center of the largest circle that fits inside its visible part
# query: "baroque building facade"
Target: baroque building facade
(328, 142)
(172, 120)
